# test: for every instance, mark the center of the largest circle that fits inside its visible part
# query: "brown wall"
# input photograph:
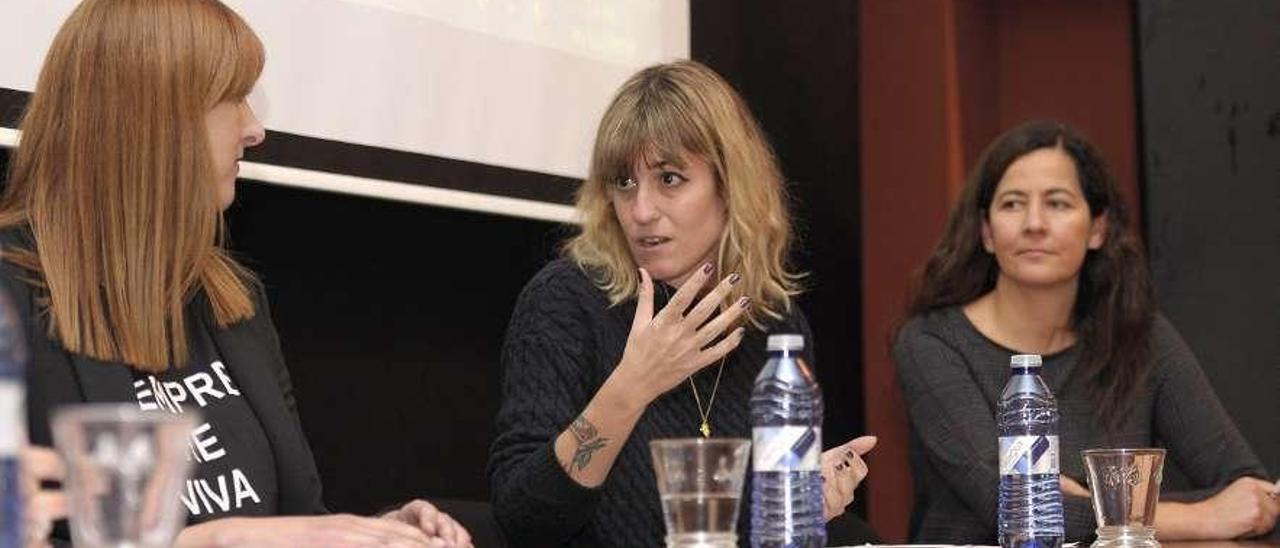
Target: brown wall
(939, 80)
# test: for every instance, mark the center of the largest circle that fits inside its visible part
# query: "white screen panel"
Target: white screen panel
(517, 84)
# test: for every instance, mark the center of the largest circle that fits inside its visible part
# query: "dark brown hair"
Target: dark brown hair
(1114, 305)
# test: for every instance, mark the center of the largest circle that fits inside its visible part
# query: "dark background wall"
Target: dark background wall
(1210, 78)
(798, 71)
(391, 316)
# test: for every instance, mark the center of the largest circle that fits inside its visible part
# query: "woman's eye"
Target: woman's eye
(1010, 205)
(624, 183)
(1059, 204)
(671, 178)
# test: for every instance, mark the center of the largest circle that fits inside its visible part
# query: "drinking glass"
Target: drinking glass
(1125, 487)
(125, 470)
(700, 483)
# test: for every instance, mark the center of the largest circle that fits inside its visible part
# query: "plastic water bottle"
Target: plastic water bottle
(786, 432)
(13, 423)
(1030, 514)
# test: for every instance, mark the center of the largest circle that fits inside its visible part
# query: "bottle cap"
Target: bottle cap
(1025, 360)
(786, 341)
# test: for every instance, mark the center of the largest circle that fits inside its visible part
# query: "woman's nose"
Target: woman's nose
(253, 133)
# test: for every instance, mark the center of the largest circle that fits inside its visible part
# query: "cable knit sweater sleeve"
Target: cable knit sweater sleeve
(546, 383)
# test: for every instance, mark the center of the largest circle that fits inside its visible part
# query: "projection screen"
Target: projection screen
(456, 103)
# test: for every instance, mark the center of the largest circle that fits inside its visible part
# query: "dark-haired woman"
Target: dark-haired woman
(1038, 258)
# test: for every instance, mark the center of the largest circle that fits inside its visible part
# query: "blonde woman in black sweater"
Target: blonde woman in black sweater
(653, 325)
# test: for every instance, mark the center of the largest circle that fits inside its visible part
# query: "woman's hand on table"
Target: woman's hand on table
(41, 507)
(434, 523)
(1244, 509)
(335, 530)
(842, 470)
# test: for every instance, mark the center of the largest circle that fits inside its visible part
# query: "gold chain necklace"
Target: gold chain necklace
(705, 427)
(706, 415)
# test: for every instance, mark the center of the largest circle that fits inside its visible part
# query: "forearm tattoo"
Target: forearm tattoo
(589, 441)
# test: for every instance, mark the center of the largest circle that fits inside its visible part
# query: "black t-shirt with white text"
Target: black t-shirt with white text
(234, 470)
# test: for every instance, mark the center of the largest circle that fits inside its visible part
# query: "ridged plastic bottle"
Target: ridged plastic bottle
(1030, 513)
(13, 423)
(786, 421)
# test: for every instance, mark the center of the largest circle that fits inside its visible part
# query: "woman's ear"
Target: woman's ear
(987, 242)
(1098, 231)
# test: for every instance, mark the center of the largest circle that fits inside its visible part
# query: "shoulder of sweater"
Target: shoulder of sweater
(940, 324)
(1168, 348)
(1163, 332)
(562, 292)
(561, 280)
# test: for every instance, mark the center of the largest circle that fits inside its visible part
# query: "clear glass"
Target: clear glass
(125, 470)
(700, 483)
(1125, 485)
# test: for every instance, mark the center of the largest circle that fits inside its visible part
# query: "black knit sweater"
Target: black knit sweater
(562, 343)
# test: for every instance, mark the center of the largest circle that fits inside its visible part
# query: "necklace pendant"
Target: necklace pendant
(705, 429)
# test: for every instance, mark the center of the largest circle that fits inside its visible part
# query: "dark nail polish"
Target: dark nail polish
(706, 268)
(848, 454)
(744, 301)
(733, 278)
(846, 464)
(839, 468)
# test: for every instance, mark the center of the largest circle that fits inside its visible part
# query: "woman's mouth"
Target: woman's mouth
(652, 241)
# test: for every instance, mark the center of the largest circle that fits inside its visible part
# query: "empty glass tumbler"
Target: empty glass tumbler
(1125, 486)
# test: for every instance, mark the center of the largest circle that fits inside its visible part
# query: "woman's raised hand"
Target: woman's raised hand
(663, 349)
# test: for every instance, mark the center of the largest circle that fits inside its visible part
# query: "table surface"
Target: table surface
(1260, 543)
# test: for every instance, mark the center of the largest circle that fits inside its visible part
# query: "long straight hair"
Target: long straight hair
(1114, 305)
(114, 181)
(685, 107)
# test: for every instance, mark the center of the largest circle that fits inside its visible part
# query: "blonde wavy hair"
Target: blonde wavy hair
(669, 110)
(114, 181)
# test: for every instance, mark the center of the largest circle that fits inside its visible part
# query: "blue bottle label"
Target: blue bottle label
(13, 422)
(786, 448)
(1023, 455)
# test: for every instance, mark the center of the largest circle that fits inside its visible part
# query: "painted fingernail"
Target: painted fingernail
(848, 454)
(744, 301)
(733, 278)
(846, 464)
(706, 268)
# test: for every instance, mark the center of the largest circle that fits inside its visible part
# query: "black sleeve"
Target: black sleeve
(957, 428)
(1191, 422)
(545, 385)
(310, 485)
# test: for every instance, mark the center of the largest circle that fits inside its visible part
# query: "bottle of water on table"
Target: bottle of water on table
(1030, 513)
(13, 423)
(786, 426)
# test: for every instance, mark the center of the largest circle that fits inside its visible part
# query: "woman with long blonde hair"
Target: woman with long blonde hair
(111, 229)
(653, 324)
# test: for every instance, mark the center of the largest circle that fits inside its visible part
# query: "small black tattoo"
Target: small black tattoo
(589, 441)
